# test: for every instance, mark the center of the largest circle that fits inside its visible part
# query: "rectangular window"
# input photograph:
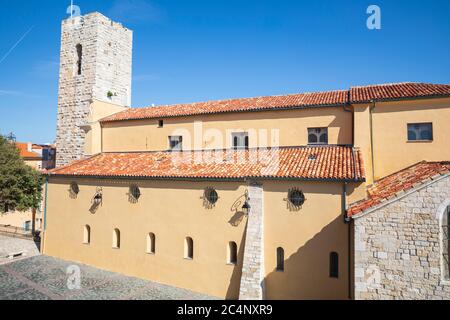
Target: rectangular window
(420, 131)
(176, 143)
(240, 140)
(317, 135)
(27, 225)
(160, 123)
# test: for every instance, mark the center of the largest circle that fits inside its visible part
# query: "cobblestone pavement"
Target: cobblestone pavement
(9, 245)
(46, 278)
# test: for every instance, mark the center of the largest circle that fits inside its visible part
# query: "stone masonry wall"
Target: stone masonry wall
(398, 247)
(106, 66)
(252, 280)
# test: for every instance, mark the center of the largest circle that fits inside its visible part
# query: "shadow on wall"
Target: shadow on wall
(235, 280)
(307, 272)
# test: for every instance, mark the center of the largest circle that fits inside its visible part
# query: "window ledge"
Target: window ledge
(232, 264)
(86, 243)
(189, 259)
(150, 253)
(116, 248)
(419, 141)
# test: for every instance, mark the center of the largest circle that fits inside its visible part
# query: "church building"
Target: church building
(251, 198)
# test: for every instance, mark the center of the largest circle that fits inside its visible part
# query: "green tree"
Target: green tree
(20, 185)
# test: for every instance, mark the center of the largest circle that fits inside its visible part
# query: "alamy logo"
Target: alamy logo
(374, 20)
(73, 10)
(74, 279)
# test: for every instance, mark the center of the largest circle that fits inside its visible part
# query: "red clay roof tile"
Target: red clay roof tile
(397, 183)
(396, 91)
(332, 163)
(24, 153)
(301, 100)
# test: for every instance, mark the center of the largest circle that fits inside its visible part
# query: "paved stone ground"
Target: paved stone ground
(9, 245)
(45, 278)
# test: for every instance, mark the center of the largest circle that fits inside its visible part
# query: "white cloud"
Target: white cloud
(135, 11)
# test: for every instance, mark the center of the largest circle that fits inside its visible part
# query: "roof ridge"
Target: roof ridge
(385, 84)
(243, 98)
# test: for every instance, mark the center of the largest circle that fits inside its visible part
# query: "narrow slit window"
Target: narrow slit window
(189, 248)
(116, 239)
(87, 235)
(151, 243)
(334, 265)
(232, 253)
(280, 259)
(79, 65)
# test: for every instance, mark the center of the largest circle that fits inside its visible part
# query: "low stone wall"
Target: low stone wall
(398, 247)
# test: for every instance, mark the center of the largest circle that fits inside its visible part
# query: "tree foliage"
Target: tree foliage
(20, 185)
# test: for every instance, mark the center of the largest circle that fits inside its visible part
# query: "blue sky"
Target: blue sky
(186, 51)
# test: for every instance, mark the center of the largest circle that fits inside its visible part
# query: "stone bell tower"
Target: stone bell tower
(96, 58)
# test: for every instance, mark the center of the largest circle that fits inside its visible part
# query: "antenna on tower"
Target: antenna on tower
(71, 9)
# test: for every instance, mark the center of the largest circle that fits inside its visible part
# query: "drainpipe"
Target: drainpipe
(371, 108)
(348, 222)
(348, 108)
(44, 227)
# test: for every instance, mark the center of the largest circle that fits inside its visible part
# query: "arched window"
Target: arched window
(87, 234)
(79, 48)
(188, 248)
(232, 253)
(151, 248)
(334, 265)
(280, 259)
(116, 239)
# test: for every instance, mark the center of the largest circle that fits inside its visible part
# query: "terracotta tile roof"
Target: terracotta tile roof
(398, 183)
(24, 153)
(309, 163)
(397, 91)
(303, 100)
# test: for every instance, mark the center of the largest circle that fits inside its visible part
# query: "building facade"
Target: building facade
(240, 198)
(401, 236)
(95, 66)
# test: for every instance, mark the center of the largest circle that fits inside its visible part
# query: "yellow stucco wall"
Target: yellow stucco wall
(292, 125)
(173, 210)
(392, 151)
(97, 111)
(308, 236)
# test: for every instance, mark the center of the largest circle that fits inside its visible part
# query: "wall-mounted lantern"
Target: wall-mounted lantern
(98, 197)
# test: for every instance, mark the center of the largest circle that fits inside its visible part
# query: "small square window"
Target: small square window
(160, 123)
(317, 135)
(176, 143)
(240, 140)
(420, 131)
